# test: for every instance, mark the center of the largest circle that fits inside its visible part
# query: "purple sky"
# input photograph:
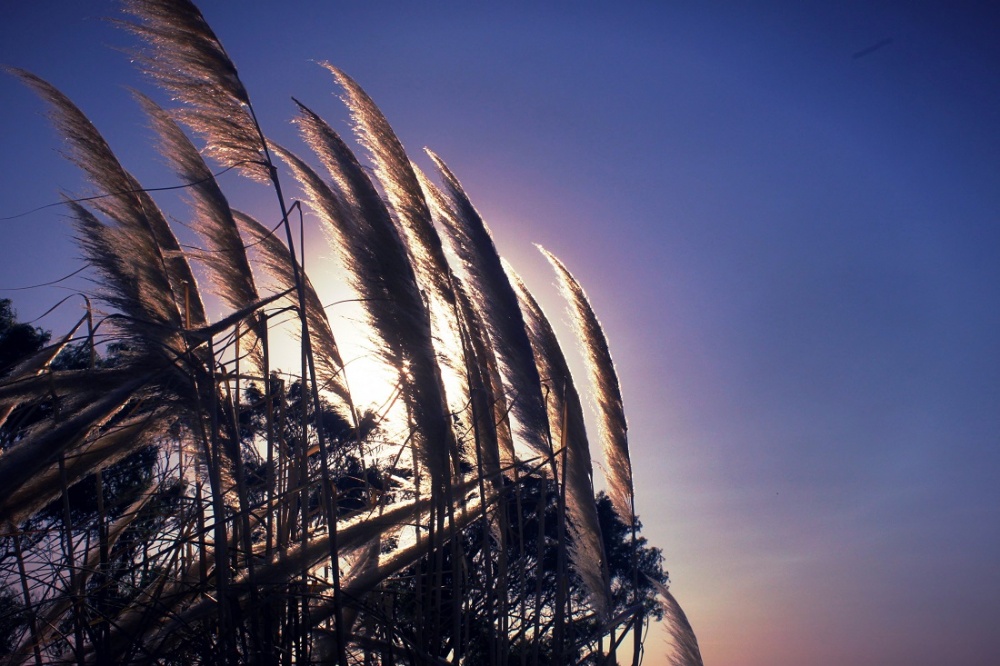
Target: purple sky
(794, 252)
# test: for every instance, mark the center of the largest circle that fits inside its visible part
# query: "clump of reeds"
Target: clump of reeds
(171, 496)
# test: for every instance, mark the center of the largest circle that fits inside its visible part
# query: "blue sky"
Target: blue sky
(793, 251)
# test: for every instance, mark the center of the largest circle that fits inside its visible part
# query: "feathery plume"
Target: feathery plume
(569, 432)
(402, 188)
(140, 247)
(685, 643)
(401, 185)
(606, 390)
(226, 256)
(277, 260)
(378, 264)
(444, 309)
(492, 432)
(185, 57)
(131, 282)
(360, 228)
(482, 364)
(497, 302)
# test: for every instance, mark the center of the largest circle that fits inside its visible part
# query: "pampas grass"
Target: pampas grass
(605, 389)
(685, 644)
(569, 434)
(178, 499)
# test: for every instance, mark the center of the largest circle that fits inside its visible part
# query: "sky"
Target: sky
(786, 215)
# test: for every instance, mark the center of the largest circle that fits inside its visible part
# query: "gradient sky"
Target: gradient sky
(793, 246)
